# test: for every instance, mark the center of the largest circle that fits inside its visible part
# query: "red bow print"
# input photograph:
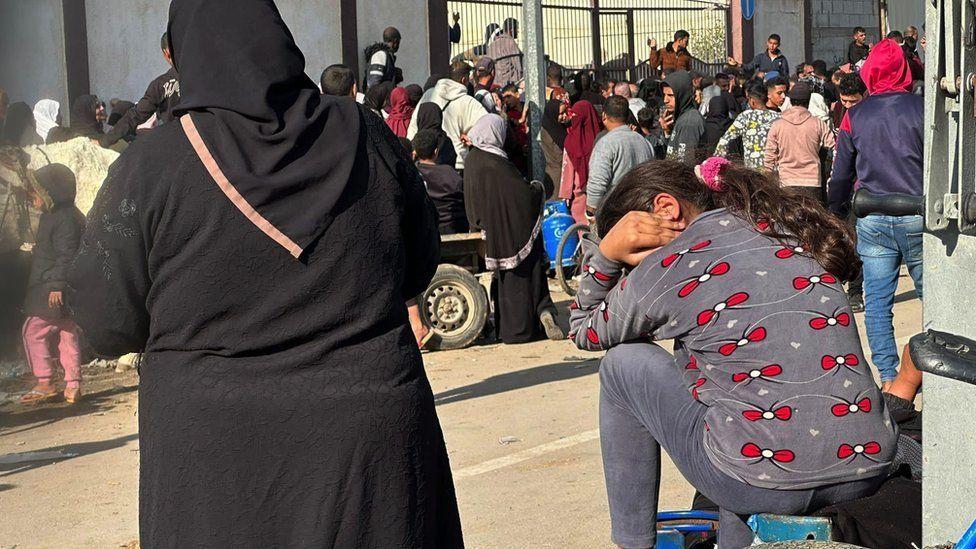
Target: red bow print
(754, 336)
(574, 306)
(783, 413)
(820, 323)
(830, 362)
(717, 270)
(765, 372)
(597, 275)
(763, 225)
(841, 410)
(787, 252)
(605, 310)
(694, 388)
(692, 364)
(592, 336)
(867, 449)
(705, 317)
(671, 259)
(751, 450)
(801, 283)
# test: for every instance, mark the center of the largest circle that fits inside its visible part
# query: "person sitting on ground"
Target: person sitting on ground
(880, 148)
(459, 110)
(444, 186)
(505, 51)
(683, 125)
(768, 61)
(673, 57)
(795, 143)
(49, 324)
(507, 207)
(381, 60)
(859, 48)
(484, 84)
(767, 405)
(615, 154)
(85, 113)
(161, 97)
(338, 80)
(751, 127)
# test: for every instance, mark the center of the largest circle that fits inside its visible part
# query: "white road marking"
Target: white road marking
(525, 455)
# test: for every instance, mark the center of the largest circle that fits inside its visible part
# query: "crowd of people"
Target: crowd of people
(712, 198)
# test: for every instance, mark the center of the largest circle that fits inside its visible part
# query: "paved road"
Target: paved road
(521, 428)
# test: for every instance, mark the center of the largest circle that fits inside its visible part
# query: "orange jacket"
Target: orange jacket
(666, 60)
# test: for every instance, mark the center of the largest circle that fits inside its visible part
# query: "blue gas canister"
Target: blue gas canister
(556, 220)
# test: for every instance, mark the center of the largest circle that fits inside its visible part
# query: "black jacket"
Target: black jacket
(856, 52)
(162, 96)
(58, 234)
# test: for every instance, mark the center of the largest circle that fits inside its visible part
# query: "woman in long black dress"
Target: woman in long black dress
(259, 252)
(501, 202)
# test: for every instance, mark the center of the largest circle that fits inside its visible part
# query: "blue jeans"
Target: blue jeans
(884, 242)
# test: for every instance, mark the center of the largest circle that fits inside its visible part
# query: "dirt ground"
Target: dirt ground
(521, 429)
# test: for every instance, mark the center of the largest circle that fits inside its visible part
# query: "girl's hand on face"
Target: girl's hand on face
(637, 235)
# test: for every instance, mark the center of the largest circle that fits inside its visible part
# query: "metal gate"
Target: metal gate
(608, 36)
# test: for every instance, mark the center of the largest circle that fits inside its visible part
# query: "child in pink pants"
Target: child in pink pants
(48, 325)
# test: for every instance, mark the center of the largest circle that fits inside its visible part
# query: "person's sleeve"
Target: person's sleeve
(771, 158)
(144, 110)
(471, 205)
(654, 60)
(412, 127)
(421, 238)
(473, 111)
(455, 33)
(65, 241)
(733, 133)
(850, 54)
(827, 142)
(842, 176)
(611, 308)
(109, 281)
(786, 66)
(377, 65)
(601, 173)
(751, 65)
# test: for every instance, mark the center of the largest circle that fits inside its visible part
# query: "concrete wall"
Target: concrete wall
(833, 25)
(32, 51)
(410, 17)
(785, 18)
(902, 13)
(124, 72)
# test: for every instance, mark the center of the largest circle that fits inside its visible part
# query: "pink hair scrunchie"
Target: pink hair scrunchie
(710, 172)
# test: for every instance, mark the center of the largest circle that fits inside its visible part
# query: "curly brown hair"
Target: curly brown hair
(749, 194)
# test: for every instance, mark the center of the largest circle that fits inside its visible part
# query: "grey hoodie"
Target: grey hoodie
(460, 112)
(688, 133)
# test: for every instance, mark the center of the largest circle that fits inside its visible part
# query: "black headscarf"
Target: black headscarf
(18, 128)
(430, 117)
(415, 92)
(377, 96)
(288, 150)
(550, 122)
(84, 117)
(717, 121)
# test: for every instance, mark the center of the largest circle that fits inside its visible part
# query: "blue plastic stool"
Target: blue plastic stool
(674, 534)
(772, 528)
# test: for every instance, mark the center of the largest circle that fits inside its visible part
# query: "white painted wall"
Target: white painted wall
(32, 51)
(785, 18)
(410, 17)
(123, 41)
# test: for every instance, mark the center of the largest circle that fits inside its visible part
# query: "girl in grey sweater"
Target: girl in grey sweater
(768, 404)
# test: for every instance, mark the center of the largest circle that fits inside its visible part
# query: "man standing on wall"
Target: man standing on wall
(768, 61)
(161, 97)
(674, 56)
(381, 60)
(507, 55)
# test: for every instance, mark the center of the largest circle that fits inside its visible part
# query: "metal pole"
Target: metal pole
(535, 83)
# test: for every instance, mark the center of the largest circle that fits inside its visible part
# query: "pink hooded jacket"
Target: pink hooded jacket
(793, 147)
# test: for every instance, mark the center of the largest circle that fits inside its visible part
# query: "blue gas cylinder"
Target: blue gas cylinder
(555, 222)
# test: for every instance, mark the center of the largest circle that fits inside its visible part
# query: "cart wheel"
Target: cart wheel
(566, 274)
(455, 308)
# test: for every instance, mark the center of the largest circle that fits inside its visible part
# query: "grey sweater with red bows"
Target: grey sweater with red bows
(763, 337)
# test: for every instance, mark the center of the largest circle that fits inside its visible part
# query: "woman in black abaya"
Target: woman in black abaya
(259, 252)
(500, 201)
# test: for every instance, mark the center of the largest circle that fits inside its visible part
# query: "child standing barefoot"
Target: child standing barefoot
(48, 324)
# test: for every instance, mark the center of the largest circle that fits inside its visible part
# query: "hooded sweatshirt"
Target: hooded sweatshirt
(793, 147)
(688, 134)
(460, 112)
(879, 142)
(58, 234)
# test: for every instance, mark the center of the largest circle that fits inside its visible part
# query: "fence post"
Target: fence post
(597, 50)
(535, 84)
(631, 51)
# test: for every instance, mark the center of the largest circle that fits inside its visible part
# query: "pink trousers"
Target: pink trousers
(39, 337)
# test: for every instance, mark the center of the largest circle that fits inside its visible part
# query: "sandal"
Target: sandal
(72, 396)
(37, 396)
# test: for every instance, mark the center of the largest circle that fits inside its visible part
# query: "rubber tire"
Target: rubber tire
(560, 274)
(464, 288)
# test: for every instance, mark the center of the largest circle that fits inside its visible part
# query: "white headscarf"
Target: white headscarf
(46, 116)
(488, 134)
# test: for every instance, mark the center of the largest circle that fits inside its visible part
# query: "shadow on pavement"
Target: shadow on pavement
(79, 450)
(16, 415)
(540, 375)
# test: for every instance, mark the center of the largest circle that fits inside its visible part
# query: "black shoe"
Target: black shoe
(857, 303)
(553, 331)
